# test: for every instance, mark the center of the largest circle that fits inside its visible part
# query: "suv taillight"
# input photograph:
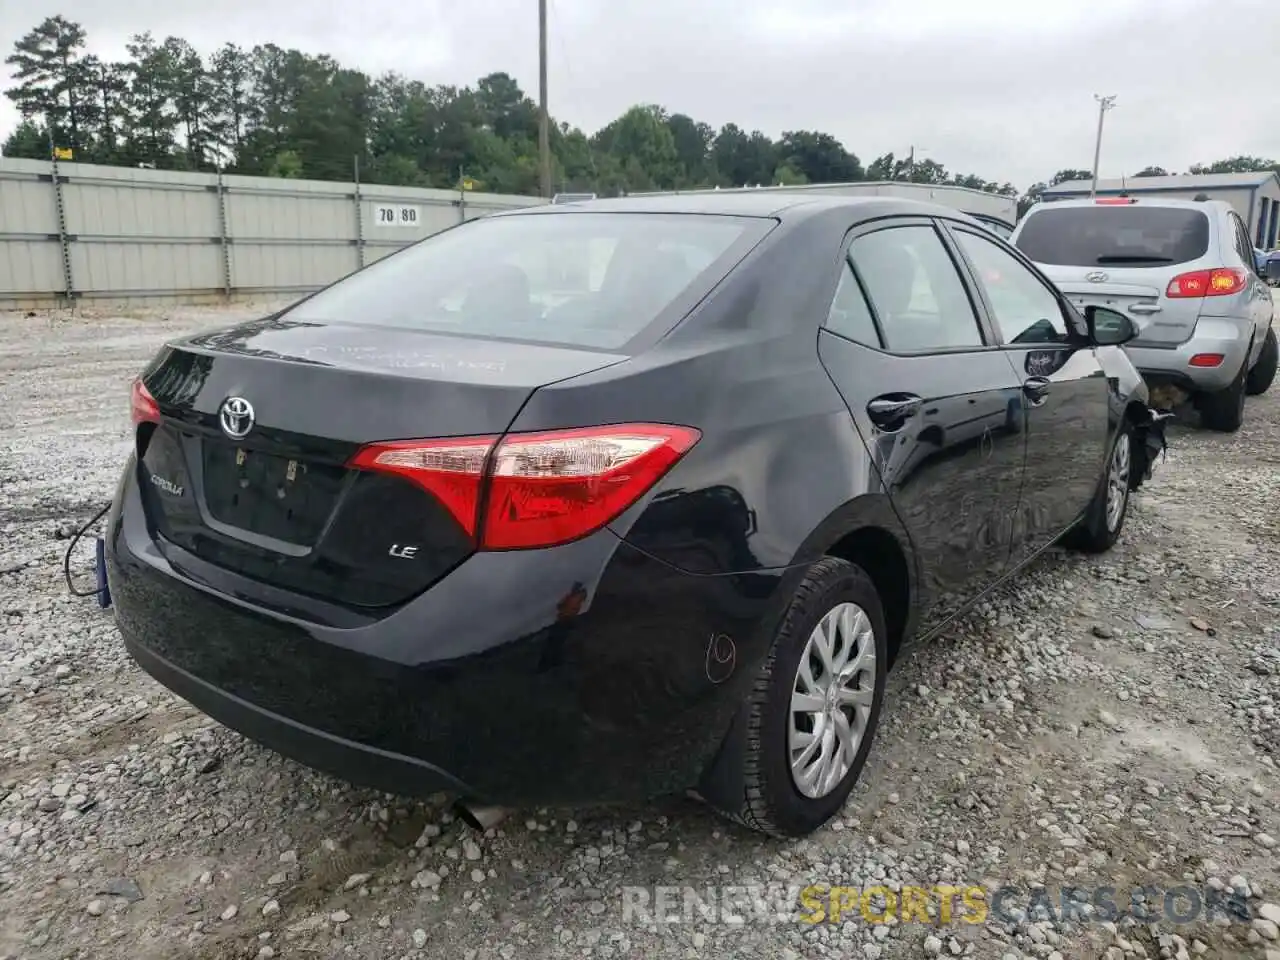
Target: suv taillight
(1219, 282)
(142, 406)
(535, 489)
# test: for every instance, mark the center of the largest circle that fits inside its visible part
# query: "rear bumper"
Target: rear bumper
(581, 674)
(358, 763)
(1221, 335)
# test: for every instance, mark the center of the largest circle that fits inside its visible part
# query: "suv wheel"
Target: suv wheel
(813, 711)
(1224, 411)
(1264, 371)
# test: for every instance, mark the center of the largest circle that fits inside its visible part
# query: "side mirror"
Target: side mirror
(1109, 328)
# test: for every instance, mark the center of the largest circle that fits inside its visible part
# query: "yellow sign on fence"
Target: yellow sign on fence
(62, 153)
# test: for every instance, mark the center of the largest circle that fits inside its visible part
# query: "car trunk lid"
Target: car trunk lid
(266, 490)
(1139, 293)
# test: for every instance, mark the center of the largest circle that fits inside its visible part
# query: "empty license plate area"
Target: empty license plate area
(270, 495)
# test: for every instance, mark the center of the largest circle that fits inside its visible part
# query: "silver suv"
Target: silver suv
(1184, 271)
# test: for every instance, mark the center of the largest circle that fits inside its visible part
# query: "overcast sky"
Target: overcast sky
(1000, 88)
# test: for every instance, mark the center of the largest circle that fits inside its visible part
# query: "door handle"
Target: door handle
(891, 411)
(1145, 308)
(1036, 389)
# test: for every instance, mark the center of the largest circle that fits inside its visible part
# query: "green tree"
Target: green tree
(788, 176)
(153, 119)
(286, 164)
(693, 145)
(279, 111)
(1152, 172)
(231, 104)
(641, 140)
(1237, 165)
(819, 156)
(28, 141)
(1065, 176)
(52, 80)
(883, 168)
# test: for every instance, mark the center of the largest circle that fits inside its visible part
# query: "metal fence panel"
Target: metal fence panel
(120, 235)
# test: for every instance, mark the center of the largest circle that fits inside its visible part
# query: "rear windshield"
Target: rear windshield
(593, 280)
(1133, 236)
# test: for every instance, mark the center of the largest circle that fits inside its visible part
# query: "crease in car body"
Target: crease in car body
(787, 516)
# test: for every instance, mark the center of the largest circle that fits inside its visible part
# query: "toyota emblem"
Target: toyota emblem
(236, 417)
(1097, 276)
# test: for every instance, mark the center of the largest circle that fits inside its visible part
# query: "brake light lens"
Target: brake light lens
(1219, 282)
(1114, 201)
(142, 406)
(536, 489)
(449, 470)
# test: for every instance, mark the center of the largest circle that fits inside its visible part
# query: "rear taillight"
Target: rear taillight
(1114, 201)
(1219, 282)
(535, 489)
(142, 406)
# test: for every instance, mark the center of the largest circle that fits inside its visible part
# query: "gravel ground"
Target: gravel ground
(1103, 722)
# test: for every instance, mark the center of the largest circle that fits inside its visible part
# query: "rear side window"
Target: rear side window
(850, 316)
(594, 280)
(1130, 236)
(917, 294)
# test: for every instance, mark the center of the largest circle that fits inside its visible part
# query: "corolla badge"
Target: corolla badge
(236, 417)
(1096, 276)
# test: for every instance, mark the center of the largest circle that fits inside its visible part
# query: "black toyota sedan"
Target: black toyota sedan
(597, 502)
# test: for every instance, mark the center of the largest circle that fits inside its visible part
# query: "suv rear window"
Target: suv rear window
(1131, 236)
(593, 280)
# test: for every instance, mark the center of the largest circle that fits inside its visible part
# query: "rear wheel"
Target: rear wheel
(1264, 371)
(1100, 527)
(1224, 411)
(814, 708)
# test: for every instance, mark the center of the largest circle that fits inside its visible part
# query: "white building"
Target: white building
(1255, 196)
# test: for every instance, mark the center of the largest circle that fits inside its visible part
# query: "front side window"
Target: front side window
(1024, 309)
(915, 289)
(576, 279)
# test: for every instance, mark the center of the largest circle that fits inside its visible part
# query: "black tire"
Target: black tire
(770, 802)
(1264, 371)
(1094, 534)
(1224, 411)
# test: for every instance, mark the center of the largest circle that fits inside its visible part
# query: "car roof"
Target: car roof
(1142, 201)
(764, 203)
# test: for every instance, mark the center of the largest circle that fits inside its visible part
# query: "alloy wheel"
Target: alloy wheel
(1118, 482)
(831, 700)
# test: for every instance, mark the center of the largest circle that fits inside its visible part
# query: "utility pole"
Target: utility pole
(1104, 104)
(911, 161)
(544, 121)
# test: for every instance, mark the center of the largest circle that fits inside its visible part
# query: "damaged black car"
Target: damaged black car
(602, 501)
